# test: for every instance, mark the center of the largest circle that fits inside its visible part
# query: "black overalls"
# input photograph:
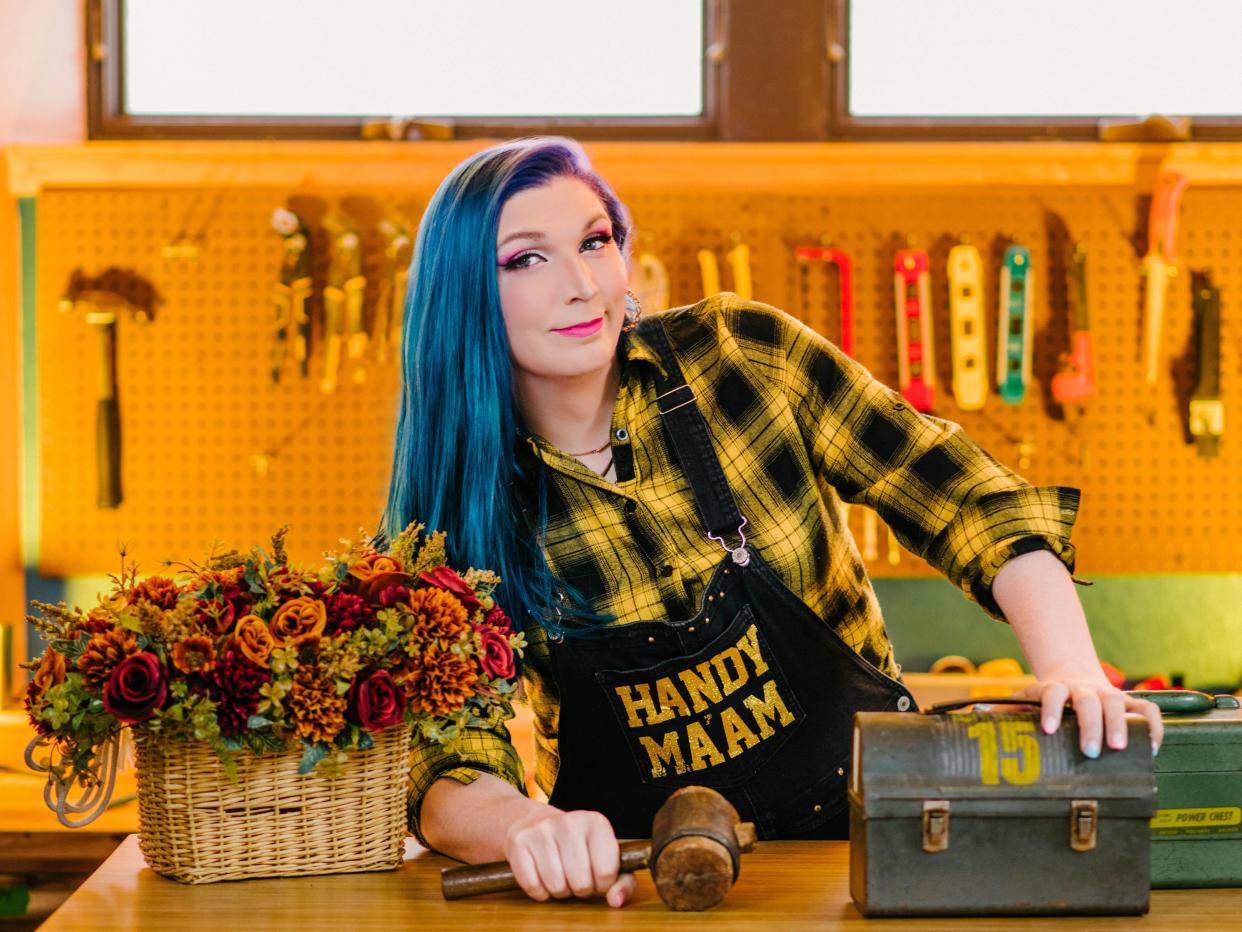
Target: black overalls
(753, 696)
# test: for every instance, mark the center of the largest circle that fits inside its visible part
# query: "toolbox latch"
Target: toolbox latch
(1084, 821)
(935, 825)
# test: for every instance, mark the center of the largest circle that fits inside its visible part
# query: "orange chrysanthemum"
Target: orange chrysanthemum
(438, 682)
(158, 590)
(102, 653)
(194, 655)
(315, 710)
(438, 616)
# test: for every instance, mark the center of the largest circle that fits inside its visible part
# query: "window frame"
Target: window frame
(107, 119)
(842, 125)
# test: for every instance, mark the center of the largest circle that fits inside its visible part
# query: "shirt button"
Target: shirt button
(666, 571)
(622, 434)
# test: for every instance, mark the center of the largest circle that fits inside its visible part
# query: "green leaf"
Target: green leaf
(365, 741)
(342, 570)
(129, 621)
(313, 755)
(258, 721)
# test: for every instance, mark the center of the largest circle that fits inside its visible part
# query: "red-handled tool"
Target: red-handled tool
(915, 360)
(804, 255)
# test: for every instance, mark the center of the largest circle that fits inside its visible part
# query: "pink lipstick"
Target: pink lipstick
(582, 330)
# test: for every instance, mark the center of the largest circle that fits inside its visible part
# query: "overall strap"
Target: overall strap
(688, 433)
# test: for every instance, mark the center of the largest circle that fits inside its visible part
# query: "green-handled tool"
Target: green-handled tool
(1013, 335)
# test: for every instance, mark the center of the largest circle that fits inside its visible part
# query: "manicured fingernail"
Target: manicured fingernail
(1050, 725)
(1091, 749)
(1155, 749)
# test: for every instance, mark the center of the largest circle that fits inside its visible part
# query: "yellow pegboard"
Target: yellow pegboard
(197, 402)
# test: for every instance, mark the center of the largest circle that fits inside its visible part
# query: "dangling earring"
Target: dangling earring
(632, 319)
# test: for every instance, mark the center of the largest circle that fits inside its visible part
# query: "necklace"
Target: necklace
(600, 449)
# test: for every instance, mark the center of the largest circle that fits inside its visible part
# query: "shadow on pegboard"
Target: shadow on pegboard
(1184, 372)
(133, 288)
(1053, 338)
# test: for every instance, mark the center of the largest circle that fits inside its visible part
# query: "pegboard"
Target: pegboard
(198, 404)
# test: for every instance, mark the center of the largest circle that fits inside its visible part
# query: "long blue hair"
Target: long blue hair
(454, 463)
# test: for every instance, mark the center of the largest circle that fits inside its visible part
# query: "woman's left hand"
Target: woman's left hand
(1100, 708)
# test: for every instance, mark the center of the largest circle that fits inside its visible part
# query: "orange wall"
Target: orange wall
(42, 100)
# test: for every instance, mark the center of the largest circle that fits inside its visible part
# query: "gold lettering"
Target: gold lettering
(739, 737)
(730, 683)
(669, 698)
(642, 703)
(770, 706)
(663, 754)
(701, 748)
(750, 644)
(700, 684)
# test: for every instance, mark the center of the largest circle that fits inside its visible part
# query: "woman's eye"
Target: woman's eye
(602, 238)
(523, 261)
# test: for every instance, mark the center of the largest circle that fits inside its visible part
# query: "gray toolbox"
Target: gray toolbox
(984, 814)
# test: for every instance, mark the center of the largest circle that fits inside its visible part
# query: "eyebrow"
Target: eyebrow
(536, 235)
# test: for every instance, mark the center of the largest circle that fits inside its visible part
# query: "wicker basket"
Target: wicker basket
(197, 826)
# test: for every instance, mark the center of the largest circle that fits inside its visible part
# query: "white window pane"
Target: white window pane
(430, 58)
(920, 58)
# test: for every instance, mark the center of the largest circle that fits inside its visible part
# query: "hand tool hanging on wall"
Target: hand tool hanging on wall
(709, 272)
(1159, 266)
(1207, 411)
(650, 282)
(1074, 385)
(1014, 330)
(292, 293)
(840, 260)
(804, 256)
(342, 298)
(103, 301)
(390, 296)
(915, 357)
(967, 332)
(739, 263)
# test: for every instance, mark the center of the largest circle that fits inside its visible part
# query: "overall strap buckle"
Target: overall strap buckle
(738, 553)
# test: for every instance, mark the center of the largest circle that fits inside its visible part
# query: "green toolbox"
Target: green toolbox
(1196, 836)
(984, 814)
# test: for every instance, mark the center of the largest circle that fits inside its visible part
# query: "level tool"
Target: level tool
(970, 367)
(1013, 332)
(1159, 266)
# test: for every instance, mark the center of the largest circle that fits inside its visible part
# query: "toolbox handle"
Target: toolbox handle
(962, 703)
(1184, 701)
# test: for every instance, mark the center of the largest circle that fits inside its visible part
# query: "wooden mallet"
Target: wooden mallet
(694, 854)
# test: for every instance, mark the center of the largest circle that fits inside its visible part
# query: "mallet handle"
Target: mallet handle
(476, 879)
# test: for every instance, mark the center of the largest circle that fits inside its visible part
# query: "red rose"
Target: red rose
(375, 702)
(442, 577)
(136, 688)
(496, 618)
(497, 659)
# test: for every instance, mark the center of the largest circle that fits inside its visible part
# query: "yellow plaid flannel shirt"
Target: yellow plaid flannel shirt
(798, 426)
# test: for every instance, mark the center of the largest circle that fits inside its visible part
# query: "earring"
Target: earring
(631, 320)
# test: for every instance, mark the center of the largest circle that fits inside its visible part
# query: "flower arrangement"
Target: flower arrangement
(247, 652)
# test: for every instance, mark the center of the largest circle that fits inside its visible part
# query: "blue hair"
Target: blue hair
(454, 464)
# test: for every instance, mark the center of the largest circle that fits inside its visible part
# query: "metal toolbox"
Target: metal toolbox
(1196, 836)
(984, 814)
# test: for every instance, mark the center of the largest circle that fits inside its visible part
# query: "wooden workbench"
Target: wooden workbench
(785, 885)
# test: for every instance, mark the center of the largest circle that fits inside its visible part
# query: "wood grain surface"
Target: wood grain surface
(783, 885)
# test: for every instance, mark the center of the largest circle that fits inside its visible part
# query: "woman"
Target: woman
(662, 500)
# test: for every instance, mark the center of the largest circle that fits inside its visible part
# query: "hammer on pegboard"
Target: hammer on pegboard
(102, 301)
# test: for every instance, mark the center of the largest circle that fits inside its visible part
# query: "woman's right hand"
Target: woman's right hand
(561, 854)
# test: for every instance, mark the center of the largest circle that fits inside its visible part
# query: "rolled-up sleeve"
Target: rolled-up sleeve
(945, 498)
(475, 750)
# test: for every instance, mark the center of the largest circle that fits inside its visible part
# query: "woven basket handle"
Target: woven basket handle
(93, 800)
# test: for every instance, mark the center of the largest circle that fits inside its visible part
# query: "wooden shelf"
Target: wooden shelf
(630, 166)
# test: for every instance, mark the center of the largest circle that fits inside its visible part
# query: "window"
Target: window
(986, 67)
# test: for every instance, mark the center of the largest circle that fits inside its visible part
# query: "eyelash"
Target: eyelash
(512, 264)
